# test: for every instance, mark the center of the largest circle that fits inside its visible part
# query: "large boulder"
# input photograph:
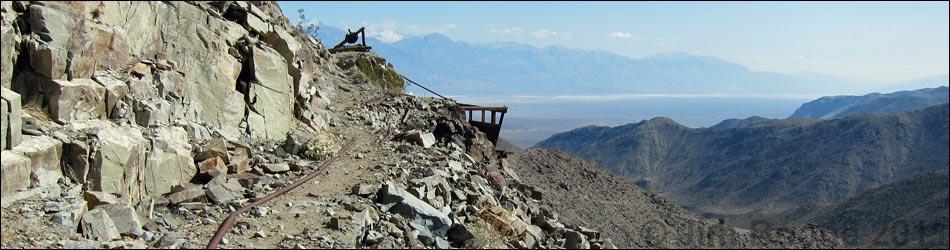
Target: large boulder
(400, 201)
(284, 43)
(127, 221)
(170, 162)
(119, 163)
(51, 29)
(97, 225)
(12, 118)
(116, 90)
(76, 100)
(14, 173)
(8, 43)
(272, 94)
(44, 153)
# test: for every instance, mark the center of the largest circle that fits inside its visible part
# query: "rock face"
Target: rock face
(231, 73)
(12, 123)
(44, 153)
(76, 100)
(16, 172)
(272, 94)
(118, 165)
(169, 162)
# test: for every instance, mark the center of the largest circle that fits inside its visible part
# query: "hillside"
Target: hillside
(909, 213)
(874, 103)
(768, 167)
(588, 195)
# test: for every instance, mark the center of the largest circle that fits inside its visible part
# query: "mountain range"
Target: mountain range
(771, 166)
(505, 68)
(874, 103)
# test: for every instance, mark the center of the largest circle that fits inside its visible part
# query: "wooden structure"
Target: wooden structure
(351, 38)
(354, 48)
(490, 128)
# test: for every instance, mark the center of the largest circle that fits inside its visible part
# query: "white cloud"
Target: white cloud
(545, 33)
(421, 30)
(622, 35)
(385, 31)
(389, 36)
(516, 31)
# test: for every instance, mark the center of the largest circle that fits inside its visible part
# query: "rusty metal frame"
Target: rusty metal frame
(228, 222)
(491, 128)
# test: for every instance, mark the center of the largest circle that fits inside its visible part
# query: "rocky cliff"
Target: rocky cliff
(143, 124)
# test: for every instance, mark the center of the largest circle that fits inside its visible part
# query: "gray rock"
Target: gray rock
(399, 201)
(403, 148)
(217, 147)
(273, 93)
(276, 167)
(373, 238)
(336, 223)
(99, 226)
(295, 142)
(259, 211)
(81, 244)
(425, 140)
(53, 28)
(259, 234)
(441, 243)
(193, 194)
(12, 119)
(8, 51)
(224, 193)
(127, 220)
(76, 160)
(119, 163)
(116, 90)
(15, 174)
(171, 240)
(169, 163)
(363, 190)
(44, 153)
(152, 113)
(76, 100)
(575, 240)
(69, 217)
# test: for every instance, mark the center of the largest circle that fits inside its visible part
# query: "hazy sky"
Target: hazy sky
(879, 42)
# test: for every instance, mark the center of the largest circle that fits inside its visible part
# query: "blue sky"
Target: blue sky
(880, 42)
